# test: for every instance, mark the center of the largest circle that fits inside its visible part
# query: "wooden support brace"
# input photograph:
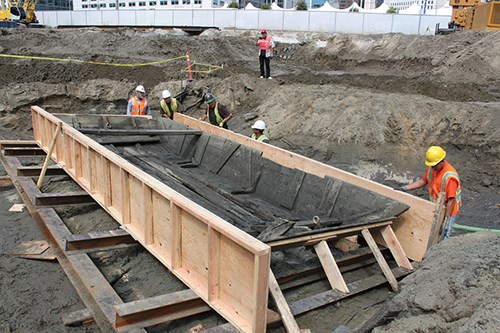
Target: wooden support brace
(16, 143)
(98, 239)
(395, 247)
(30, 171)
(159, 309)
(283, 308)
(330, 266)
(49, 155)
(56, 199)
(437, 220)
(380, 259)
(95, 131)
(78, 318)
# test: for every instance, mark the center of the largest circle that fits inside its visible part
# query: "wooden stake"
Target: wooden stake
(49, 154)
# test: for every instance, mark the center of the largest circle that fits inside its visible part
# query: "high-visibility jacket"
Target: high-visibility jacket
(440, 182)
(138, 108)
(166, 109)
(260, 138)
(265, 44)
(218, 118)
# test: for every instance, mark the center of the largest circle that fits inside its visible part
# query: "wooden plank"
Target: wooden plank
(330, 267)
(5, 181)
(78, 318)
(283, 308)
(307, 240)
(57, 199)
(24, 151)
(49, 154)
(97, 239)
(95, 131)
(437, 220)
(17, 143)
(396, 249)
(380, 259)
(34, 171)
(159, 309)
(412, 228)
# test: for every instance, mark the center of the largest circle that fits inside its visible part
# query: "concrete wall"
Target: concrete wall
(333, 22)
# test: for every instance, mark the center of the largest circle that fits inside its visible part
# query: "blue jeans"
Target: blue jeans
(447, 227)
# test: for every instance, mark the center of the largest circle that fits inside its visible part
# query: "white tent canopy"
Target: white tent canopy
(275, 6)
(352, 8)
(326, 8)
(383, 8)
(250, 6)
(413, 9)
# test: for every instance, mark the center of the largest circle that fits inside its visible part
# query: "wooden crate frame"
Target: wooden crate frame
(412, 228)
(226, 267)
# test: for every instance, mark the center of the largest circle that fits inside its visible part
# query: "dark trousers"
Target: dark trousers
(265, 60)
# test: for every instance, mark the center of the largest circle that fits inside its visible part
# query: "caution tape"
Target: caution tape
(15, 56)
(212, 68)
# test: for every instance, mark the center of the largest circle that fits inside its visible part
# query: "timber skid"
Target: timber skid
(106, 308)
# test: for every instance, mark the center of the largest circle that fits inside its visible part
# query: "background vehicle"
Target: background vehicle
(16, 13)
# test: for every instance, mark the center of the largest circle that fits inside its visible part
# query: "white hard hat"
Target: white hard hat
(260, 125)
(165, 94)
(140, 89)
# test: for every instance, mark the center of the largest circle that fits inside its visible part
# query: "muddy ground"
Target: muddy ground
(367, 104)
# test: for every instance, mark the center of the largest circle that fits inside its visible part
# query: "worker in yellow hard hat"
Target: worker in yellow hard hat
(441, 176)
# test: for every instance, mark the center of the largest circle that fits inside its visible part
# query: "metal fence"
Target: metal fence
(333, 22)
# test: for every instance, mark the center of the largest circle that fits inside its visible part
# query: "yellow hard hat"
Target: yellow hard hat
(434, 155)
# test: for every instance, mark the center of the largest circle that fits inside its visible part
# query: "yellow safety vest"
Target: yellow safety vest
(261, 138)
(165, 108)
(218, 118)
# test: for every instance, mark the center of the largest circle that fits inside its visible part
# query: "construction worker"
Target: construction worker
(441, 176)
(266, 52)
(138, 105)
(258, 131)
(169, 105)
(217, 113)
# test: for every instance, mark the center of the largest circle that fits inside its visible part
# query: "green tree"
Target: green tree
(265, 6)
(301, 5)
(392, 10)
(234, 4)
(354, 10)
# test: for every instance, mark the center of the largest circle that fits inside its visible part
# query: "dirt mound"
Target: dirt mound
(457, 289)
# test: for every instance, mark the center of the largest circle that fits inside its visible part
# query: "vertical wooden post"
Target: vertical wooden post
(125, 194)
(176, 236)
(213, 264)
(148, 214)
(380, 259)
(437, 220)
(49, 154)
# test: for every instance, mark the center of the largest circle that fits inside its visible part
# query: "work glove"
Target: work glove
(221, 124)
(401, 188)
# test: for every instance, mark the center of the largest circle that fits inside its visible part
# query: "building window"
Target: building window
(94, 5)
(131, 4)
(152, 3)
(175, 2)
(121, 4)
(85, 6)
(197, 2)
(102, 5)
(142, 3)
(163, 3)
(186, 2)
(112, 5)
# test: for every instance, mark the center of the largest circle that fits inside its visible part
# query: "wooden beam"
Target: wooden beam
(16, 143)
(78, 318)
(159, 309)
(34, 171)
(49, 154)
(330, 267)
(94, 131)
(57, 199)
(5, 181)
(380, 259)
(437, 220)
(98, 239)
(24, 151)
(283, 308)
(327, 235)
(393, 244)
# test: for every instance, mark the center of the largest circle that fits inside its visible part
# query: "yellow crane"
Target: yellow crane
(17, 12)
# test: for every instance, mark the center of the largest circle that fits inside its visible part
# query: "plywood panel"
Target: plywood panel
(137, 221)
(116, 189)
(162, 226)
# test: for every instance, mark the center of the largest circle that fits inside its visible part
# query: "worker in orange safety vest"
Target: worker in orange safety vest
(138, 105)
(441, 176)
(266, 52)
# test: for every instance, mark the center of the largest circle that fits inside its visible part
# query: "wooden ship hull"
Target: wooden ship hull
(210, 204)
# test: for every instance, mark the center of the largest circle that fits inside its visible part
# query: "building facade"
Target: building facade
(425, 5)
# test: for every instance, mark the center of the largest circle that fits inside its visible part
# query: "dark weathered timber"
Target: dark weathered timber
(96, 131)
(24, 151)
(98, 239)
(34, 171)
(58, 199)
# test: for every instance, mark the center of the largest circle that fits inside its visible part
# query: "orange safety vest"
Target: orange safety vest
(139, 109)
(437, 183)
(265, 44)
